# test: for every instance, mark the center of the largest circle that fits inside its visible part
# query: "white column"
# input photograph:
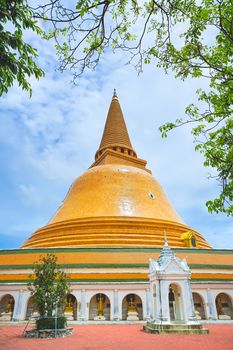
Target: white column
(83, 305)
(153, 291)
(180, 312)
(76, 294)
(164, 301)
(116, 306)
(158, 306)
(212, 307)
(148, 305)
(206, 307)
(17, 306)
(187, 301)
(20, 308)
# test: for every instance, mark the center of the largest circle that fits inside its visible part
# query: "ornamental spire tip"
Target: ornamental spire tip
(165, 239)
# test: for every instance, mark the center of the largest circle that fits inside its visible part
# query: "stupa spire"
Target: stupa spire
(115, 135)
(165, 239)
(166, 253)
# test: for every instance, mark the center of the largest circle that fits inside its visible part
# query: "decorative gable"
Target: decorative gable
(174, 266)
(168, 266)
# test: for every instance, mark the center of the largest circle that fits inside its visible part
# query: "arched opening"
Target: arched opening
(224, 307)
(199, 308)
(132, 308)
(175, 303)
(7, 305)
(99, 307)
(32, 311)
(71, 308)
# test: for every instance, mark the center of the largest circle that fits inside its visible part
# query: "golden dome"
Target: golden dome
(116, 203)
(116, 190)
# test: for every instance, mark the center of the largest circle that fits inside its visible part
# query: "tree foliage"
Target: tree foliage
(16, 56)
(194, 38)
(49, 286)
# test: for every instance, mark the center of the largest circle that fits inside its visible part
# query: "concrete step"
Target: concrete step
(175, 329)
(176, 326)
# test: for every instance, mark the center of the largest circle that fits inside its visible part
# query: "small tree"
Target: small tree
(49, 286)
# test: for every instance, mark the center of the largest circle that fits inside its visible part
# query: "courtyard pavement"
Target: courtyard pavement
(118, 337)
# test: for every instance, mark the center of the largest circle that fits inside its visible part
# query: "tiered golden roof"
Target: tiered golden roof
(115, 135)
(116, 203)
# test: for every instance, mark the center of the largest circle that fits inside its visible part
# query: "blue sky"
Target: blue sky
(49, 140)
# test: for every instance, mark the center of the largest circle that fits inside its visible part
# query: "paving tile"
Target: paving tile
(118, 337)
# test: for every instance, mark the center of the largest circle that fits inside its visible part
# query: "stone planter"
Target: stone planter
(49, 333)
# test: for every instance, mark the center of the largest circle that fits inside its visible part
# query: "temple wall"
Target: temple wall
(116, 294)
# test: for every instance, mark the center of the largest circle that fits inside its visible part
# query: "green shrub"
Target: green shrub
(50, 323)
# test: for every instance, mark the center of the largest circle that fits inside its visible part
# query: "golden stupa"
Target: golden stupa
(110, 224)
(116, 202)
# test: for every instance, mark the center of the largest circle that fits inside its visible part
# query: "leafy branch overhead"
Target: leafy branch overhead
(16, 56)
(190, 37)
